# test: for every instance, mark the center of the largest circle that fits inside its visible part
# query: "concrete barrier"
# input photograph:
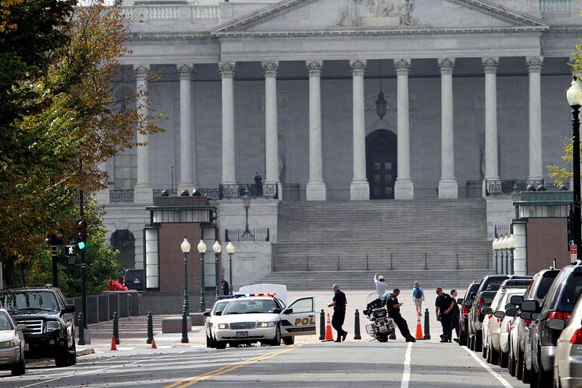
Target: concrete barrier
(174, 324)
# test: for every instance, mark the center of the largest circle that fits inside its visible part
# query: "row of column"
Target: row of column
(359, 189)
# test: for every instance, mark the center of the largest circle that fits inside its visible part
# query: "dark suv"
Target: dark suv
(466, 303)
(49, 320)
(519, 356)
(556, 307)
(133, 279)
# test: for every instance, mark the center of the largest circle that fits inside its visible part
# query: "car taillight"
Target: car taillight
(480, 302)
(577, 337)
(466, 310)
(559, 315)
(499, 320)
(527, 321)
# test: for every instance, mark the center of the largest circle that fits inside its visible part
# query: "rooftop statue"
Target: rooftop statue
(376, 13)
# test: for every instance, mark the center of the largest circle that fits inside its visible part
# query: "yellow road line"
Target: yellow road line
(228, 368)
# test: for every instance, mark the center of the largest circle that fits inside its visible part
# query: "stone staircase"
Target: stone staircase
(438, 242)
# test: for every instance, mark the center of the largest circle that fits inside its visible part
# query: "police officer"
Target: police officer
(339, 313)
(444, 305)
(393, 307)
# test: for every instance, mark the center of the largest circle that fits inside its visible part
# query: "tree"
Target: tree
(67, 123)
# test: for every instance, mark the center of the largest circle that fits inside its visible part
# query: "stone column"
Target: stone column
(448, 187)
(491, 150)
(228, 137)
(359, 189)
(271, 136)
(534, 67)
(520, 251)
(187, 156)
(316, 190)
(143, 191)
(403, 188)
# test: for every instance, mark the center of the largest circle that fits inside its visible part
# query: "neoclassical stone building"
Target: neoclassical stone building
(344, 100)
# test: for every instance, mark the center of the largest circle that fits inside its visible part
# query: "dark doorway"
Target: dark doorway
(124, 241)
(381, 169)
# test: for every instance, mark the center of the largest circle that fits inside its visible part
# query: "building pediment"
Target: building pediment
(389, 16)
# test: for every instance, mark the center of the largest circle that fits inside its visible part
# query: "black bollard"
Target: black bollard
(150, 328)
(426, 326)
(116, 328)
(357, 335)
(81, 330)
(184, 329)
(322, 326)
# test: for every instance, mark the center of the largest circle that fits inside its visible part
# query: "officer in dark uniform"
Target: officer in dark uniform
(339, 313)
(444, 305)
(393, 307)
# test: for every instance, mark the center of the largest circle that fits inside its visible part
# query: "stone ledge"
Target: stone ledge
(174, 324)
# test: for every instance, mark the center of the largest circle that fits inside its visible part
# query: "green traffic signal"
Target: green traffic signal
(81, 245)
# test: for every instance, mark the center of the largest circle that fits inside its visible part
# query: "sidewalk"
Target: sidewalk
(133, 330)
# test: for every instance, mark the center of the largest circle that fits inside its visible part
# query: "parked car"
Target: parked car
(12, 345)
(210, 320)
(49, 320)
(495, 322)
(557, 305)
(489, 283)
(519, 357)
(568, 358)
(133, 279)
(264, 319)
(466, 304)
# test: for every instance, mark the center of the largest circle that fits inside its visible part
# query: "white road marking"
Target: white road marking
(488, 369)
(406, 372)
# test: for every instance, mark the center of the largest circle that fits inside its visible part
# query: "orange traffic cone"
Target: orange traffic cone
(328, 334)
(113, 346)
(419, 335)
(154, 346)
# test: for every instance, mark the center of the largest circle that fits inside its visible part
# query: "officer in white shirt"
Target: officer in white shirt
(380, 285)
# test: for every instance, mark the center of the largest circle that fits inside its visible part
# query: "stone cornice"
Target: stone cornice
(268, 13)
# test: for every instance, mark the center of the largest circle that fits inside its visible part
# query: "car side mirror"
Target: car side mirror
(557, 324)
(499, 314)
(207, 313)
(460, 301)
(511, 312)
(70, 308)
(531, 306)
(486, 310)
(468, 303)
(21, 327)
(509, 305)
(286, 311)
(516, 300)
(526, 315)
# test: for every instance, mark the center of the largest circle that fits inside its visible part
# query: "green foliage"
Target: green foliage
(100, 258)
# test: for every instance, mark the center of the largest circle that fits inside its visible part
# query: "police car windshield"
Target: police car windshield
(29, 301)
(250, 307)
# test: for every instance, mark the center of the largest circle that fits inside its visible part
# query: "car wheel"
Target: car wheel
(289, 340)
(494, 355)
(463, 340)
(511, 363)
(525, 374)
(478, 341)
(19, 369)
(73, 355)
(62, 358)
(220, 344)
(277, 340)
(503, 359)
(209, 342)
(519, 365)
(544, 379)
(382, 337)
(470, 342)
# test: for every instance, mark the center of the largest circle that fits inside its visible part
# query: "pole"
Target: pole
(247, 231)
(54, 265)
(217, 275)
(202, 286)
(83, 277)
(230, 276)
(186, 306)
(576, 172)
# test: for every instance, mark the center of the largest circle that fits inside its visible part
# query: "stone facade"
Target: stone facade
(474, 90)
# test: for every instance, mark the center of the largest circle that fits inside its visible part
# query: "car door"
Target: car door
(299, 318)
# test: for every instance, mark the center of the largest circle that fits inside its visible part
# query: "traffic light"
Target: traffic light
(82, 235)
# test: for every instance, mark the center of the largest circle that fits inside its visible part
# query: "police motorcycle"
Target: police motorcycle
(379, 325)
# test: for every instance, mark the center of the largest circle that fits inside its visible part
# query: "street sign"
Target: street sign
(573, 252)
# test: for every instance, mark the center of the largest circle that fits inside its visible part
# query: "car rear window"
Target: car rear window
(545, 284)
(571, 292)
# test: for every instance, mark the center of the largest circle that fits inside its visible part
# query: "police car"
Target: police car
(262, 317)
(211, 318)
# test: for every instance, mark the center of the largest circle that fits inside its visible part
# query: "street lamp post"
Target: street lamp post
(217, 249)
(230, 251)
(247, 235)
(495, 245)
(202, 250)
(512, 242)
(185, 247)
(574, 96)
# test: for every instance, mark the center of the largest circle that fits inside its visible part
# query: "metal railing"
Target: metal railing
(255, 234)
(555, 6)
(171, 12)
